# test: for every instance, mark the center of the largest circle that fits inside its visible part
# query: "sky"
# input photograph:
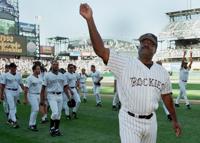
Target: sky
(115, 19)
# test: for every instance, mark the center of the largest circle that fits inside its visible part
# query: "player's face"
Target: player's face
(93, 69)
(37, 70)
(71, 69)
(13, 69)
(185, 65)
(55, 66)
(147, 49)
(83, 71)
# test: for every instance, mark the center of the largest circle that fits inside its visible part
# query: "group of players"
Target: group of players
(55, 89)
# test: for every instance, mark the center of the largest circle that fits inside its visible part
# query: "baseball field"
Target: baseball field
(100, 125)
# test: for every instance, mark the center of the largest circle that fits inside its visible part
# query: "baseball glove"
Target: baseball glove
(97, 83)
(71, 103)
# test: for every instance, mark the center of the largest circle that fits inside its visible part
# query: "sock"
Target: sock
(52, 122)
(57, 123)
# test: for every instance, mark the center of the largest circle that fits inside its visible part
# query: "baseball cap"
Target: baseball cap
(149, 36)
(12, 65)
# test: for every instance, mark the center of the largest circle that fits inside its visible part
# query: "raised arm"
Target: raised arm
(183, 58)
(97, 42)
(190, 64)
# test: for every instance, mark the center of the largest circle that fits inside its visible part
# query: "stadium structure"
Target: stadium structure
(81, 48)
(17, 39)
(181, 33)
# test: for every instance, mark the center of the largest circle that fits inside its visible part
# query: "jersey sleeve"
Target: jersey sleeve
(3, 79)
(45, 80)
(167, 87)
(28, 82)
(116, 63)
(65, 80)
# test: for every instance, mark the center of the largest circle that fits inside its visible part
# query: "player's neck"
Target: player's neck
(145, 61)
(36, 75)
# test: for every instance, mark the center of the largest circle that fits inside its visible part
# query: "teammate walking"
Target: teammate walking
(96, 78)
(83, 78)
(116, 102)
(10, 84)
(32, 95)
(183, 78)
(55, 84)
(5, 103)
(141, 83)
(72, 82)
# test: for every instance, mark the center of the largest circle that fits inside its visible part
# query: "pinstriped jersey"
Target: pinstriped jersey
(139, 87)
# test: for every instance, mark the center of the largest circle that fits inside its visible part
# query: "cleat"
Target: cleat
(177, 105)
(68, 117)
(74, 115)
(14, 125)
(188, 106)
(58, 133)
(33, 128)
(52, 132)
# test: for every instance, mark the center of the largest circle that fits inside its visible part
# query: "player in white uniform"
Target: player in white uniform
(10, 84)
(55, 84)
(32, 95)
(183, 78)
(5, 103)
(96, 78)
(44, 107)
(141, 84)
(83, 87)
(116, 102)
(72, 82)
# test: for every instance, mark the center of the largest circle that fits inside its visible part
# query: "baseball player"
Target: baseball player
(5, 103)
(141, 84)
(65, 100)
(77, 77)
(32, 95)
(55, 84)
(96, 78)
(183, 78)
(72, 82)
(44, 107)
(10, 84)
(116, 102)
(83, 78)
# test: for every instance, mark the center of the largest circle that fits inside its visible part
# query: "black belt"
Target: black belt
(141, 116)
(184, 80)
(13, 89)
(56, 93)
(72, 87)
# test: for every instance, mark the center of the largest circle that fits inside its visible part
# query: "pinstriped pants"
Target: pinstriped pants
(135, 130)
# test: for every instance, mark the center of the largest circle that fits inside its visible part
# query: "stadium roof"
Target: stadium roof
(184, 12)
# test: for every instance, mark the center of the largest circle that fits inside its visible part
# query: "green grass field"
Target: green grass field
(100, 125)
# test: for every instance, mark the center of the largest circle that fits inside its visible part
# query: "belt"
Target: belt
(56, 93)
(141, 116)
(82, 82)
(34, 93)
(184, 80)
(13, 89)
(72, 87)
